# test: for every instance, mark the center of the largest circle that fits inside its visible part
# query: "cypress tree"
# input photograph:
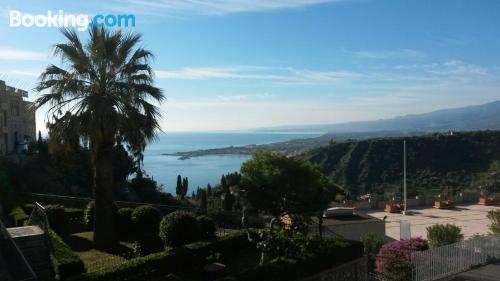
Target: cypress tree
(209, 190)
(203, 203)
(178, 188)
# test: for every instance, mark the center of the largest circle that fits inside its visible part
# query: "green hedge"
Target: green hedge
(66, 262)
(172, 260)
(337, 252)
(28, 207)
(18, 216)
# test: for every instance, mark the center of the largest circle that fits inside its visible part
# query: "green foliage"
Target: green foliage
(372, 243)
(318, 256)
(228, 201)
(18, 216)
(146, 219)
(203, 201)
(160, 264)
(443, 234)
(278, 184)
(89, 214)
(179, 228)
(494, 217)
(106, 111)
(124, 221)
(147, 244)
(58, 219)
(66, 262)
(178, 187)
(206, 227)
(466, 159)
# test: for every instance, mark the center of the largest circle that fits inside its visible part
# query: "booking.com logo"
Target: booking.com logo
(78, 21)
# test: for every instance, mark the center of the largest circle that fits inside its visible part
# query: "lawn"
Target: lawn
(94, 259)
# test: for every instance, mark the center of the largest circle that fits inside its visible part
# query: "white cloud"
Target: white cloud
(12, 54)
(213, 7)
(273, 74)
(396, 54)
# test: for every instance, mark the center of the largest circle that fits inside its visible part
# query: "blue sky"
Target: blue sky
(242, 64)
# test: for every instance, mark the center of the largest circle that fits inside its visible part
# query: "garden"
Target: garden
(182, 246)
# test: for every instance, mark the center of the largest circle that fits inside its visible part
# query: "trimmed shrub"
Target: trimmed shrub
(18, 216)
(147, 244)
(393, 259)
(89, 214)
(146, 219)
(443, 234)
(28, 208)
(206, 228)
(66, 262)
(124, 221)
(494, 217)
(166, 262)
(179, 228)
(58, 219)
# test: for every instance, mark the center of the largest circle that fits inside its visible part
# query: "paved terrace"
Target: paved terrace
(471, 218)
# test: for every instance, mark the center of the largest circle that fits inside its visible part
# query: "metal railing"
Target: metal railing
(81, 202)
(448, 260)
(12, 259)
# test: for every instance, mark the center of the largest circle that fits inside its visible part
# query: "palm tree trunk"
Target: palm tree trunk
(105, 209)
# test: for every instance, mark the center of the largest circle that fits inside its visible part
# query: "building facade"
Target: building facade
(17, 120)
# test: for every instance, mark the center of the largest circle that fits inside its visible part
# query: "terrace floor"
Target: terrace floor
(471, 218)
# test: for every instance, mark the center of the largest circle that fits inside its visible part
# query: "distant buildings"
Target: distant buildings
(17, 122)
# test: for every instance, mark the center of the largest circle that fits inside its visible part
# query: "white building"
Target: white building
(17, 121)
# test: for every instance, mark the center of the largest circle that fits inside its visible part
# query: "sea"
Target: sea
(203, 170)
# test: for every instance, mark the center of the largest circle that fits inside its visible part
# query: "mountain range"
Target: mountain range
(476, 117)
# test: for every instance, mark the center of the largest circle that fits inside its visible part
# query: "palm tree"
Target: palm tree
(104, 91)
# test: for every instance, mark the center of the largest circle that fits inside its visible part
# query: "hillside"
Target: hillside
(463, 161)
(477, 117)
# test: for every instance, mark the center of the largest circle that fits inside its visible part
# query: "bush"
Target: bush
(18, 216)
(146, 219)
(147, 244)
(494, 217)
(206, 228)
(58, 219)
(393, 259)
(327, 254)
(28, 208)
(66, 262)
(179, 228)
(124, 221)
(443, 234)
(89, 214)
(167, 262)
(372, 243)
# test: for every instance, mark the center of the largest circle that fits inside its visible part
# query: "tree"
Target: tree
(203, 203)
(102, 90)
(209, 190)
(223, 183)
(228, 201)
(278, 184)
(178, 188)
(184, 187)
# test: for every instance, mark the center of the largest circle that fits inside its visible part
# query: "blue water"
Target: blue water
(206, 169)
